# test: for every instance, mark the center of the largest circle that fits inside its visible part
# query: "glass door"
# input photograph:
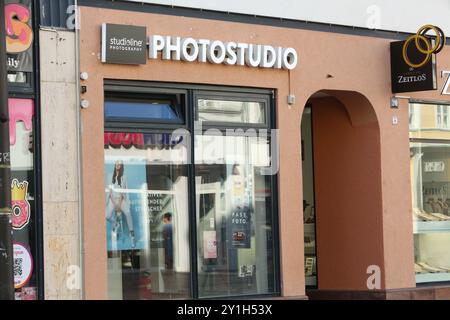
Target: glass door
(234, 203)
(146, 198)
(308, 199)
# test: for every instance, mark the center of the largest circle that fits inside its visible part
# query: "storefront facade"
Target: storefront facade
(26, 184)
(180, 201)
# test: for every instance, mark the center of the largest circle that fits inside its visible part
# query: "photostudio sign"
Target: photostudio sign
(118, 42)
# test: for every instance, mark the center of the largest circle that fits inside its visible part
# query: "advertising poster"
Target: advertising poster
(23, 265)
(126, 204)
(210, 245)
(21, 115)
(19, 35)
(241, 227)
(20, 205)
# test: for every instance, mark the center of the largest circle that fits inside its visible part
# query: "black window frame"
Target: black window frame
(237, 97)
(192, 93)
(121, 96)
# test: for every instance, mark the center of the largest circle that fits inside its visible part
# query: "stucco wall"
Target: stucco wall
(327, 61)
(347, 181)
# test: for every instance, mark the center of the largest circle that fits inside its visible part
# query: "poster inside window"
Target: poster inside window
(21, 112)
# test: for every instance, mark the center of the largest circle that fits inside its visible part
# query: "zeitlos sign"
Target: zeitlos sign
(124, 45)
(413, 61)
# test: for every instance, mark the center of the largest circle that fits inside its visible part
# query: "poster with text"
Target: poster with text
(126, 204)
(241, 227)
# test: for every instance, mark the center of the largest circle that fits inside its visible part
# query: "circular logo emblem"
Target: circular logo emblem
(424, 45)
(23, 265)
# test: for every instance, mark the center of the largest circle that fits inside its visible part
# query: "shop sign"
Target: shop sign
(218, 52)
(445, 89)
(19, 35)
(123, 44)
(23, 265)
(413, 61)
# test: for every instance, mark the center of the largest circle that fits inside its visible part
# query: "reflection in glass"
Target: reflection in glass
(234, 216)
(429, 121)
(166, 109)
(430, 176)
(147, 219)
(231, 111)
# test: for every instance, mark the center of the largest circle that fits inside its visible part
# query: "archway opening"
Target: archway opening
(342, 193)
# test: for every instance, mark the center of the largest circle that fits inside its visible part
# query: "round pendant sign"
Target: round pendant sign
(23, 265)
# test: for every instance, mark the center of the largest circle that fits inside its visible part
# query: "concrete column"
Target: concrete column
(60, 165)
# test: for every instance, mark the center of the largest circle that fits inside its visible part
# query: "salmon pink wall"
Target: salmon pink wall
(329, 61)
(348, 195)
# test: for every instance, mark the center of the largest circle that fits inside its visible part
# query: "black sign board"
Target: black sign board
(19, 35)
(122, 44)
(406, 78)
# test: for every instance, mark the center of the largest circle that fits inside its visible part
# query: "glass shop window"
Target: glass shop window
(430, 182)
(250, 112)
(152, 217)
(146, 193)
(234, 216)
(157, 109)
(21, 113)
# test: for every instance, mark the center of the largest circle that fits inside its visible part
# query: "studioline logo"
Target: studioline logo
(424, 44)
(125, 44)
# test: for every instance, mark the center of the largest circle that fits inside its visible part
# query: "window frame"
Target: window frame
(417, 128)
(192, 93)
(236, 97)
(116, 92)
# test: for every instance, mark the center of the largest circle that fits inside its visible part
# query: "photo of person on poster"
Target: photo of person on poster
(118, 203)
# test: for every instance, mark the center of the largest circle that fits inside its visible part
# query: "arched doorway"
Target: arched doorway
(342, 192)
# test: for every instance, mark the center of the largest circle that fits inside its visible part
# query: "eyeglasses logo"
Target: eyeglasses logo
(424, 44)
